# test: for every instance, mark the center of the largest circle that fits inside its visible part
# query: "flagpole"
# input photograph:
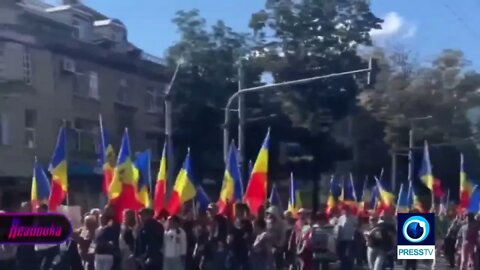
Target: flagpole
(150, 181)
(64, 126)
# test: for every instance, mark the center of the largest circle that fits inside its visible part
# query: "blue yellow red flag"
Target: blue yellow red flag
(142, 163)
(256, 192)
(425, 173)
(106, 158)
(466, 186)
(403, 205)
(274, 198)
(349, 194)
(232, 187)
(184, 189)
(59, 170)
(294, 200)
(385, 197)
(202, 198)
(123, 188)
(40, 186)
(161, 183)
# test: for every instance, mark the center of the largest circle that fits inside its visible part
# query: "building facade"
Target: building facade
(68, 64)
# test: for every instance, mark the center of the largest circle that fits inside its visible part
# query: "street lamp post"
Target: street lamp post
(242, 92)
(411, 145)
(168, 125)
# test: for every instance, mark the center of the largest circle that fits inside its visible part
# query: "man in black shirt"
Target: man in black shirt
(150, 241)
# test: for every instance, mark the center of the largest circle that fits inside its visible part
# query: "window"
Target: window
(123, 92)
(153, 100)
(27, 67)
(30, 125)
(93, 86)
(82, 135)
(4, 129)
(2, 61)
(87, 135)
(76, 30)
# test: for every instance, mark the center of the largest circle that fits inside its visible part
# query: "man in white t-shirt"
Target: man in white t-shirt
(345, 231)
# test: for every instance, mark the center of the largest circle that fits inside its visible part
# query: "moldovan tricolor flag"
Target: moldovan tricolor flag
(256, 193)
(403, 205)
(184, 189)
(466, 186)
(40, 186)
(142, 163)
(425, 173)
(274, 198)
(58, 169)
(106, 158)
(161, 183)
(385, 198)
(123, 189)
(349, 195)
(231, 191)
(294, 200)
(333, 194)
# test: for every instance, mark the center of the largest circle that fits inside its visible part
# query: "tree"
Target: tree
(445, 90)
(205, 81)
(310, 38)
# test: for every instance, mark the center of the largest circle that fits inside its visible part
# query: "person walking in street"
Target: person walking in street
(175, 245)
(468, 237)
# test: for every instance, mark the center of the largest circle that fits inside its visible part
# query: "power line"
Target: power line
(461, 20)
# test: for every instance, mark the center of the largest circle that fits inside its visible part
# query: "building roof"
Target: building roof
(73, 8)
(108, 22)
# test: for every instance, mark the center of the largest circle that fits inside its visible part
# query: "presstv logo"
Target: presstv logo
(416, 236)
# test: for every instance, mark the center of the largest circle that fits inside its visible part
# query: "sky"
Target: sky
(424, 26)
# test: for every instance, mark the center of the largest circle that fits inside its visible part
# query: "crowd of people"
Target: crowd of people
(145, 240)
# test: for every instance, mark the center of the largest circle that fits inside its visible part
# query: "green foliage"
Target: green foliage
(444, 90)
(207, 77)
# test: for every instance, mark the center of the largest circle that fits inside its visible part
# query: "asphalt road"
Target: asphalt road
(441, 264)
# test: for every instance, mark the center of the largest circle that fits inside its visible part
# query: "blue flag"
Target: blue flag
(474, 206)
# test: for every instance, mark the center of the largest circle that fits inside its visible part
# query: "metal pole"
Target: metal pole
(394, 170)
(270, 87)
(241, 122)
(169, 130)
(410, 152)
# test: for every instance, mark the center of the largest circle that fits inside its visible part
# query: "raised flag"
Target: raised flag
(425, 173)
(366, 195)
(294, 200)
(123, 189)
(403, 205)
(232, 188)
(414, 202)
(334, 192)
(256, 192)
(184, 189)
(161, 184)
(274, 198)
(106, 158)
(474, 204)
(59, 170)
(374, 199)
(142, 162)
(202, 199)
(349, 194)
(466, 186)
(385, 198)
(40, 186)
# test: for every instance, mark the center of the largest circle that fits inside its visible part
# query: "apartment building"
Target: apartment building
(69, 64)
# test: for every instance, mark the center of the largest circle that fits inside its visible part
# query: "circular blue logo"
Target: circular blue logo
(415, 229)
